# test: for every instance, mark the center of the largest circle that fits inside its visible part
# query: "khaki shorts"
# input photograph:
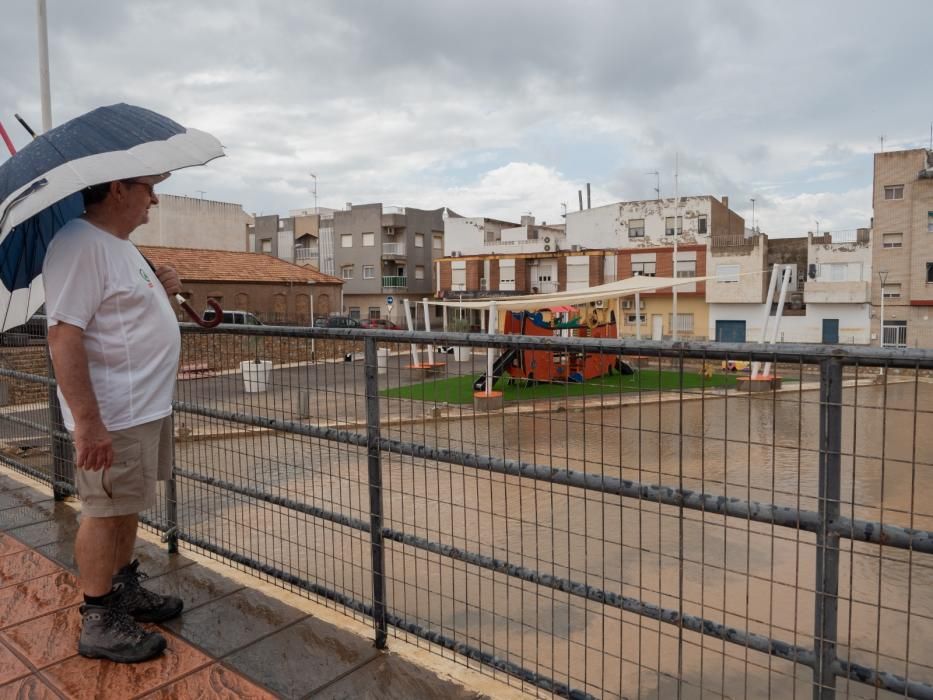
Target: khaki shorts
(142, 455)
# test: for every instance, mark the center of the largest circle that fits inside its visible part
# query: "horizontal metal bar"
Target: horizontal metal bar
(767, 513)
(882, 679)
(275, 500)
(864, 355)
(693, 623)
(44, 429)
(36, 474)
(26, 376)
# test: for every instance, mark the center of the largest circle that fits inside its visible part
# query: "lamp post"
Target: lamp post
(314, 191)
(883, 276)
(753, 214)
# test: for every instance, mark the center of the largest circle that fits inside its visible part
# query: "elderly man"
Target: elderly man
(115, 345)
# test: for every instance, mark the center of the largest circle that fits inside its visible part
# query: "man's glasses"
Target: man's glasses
(148, 185)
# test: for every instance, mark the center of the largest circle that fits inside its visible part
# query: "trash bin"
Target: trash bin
(382, 360)
(255, 375)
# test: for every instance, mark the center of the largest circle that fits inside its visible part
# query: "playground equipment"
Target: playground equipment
(592, 321)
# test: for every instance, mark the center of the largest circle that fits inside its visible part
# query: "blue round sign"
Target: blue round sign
(390, 300)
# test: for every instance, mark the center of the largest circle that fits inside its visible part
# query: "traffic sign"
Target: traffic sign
(390, 300)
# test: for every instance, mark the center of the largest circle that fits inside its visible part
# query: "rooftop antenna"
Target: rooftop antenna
(882, 143)
(314, 190)
(657, 187)
(931, 136)
(564, 207)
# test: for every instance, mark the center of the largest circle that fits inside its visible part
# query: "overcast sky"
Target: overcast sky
(502, 108)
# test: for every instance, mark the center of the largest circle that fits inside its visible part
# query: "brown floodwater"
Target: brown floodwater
(751, 576)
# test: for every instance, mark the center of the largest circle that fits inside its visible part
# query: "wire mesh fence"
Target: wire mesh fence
(610, 519)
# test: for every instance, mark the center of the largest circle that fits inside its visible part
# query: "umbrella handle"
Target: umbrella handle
(6, 139)
(218, 312)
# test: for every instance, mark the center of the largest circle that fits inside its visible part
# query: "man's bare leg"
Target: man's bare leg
(96, 549)
(126, 542)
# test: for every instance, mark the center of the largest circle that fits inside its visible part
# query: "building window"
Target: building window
(369, 240)
(636, 228)
(894, 192)
(892, 240)
(834, 272)
(669, 225)
(644, 269)
(727, 273)
(369, 272)
(930, 221)
(684, 322)
(346, 240)
(892, 291)
(930, 273)
(686, 268)
(346, 272)
(266, 245)
(419, 272)
(701, 225)
(355, 312)
(438, 243)
(419, 240)
(632, 319)
(374, 312)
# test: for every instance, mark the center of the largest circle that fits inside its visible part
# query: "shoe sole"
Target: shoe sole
(94, 653)
(167, 615)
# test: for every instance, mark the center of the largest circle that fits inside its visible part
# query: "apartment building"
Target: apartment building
(826, 299)
(382, 252)
(902, 248)
(295, 238)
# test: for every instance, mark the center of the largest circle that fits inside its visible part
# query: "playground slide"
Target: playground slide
(498, 369)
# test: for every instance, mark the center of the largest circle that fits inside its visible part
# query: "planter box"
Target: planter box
(255, 375)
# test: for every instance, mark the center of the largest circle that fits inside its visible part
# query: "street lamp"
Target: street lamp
(883, 276)
(753, 214)
(314, 191)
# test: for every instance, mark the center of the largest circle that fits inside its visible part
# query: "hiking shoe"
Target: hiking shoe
(109, 633)
(144, 605)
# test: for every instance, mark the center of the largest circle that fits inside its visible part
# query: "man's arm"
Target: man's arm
(93, 443)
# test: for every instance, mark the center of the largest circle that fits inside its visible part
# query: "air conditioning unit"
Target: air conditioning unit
(598, 303)
(575, 248)
(547, 239)
(547, 248)
(628, 304)
(455, 253)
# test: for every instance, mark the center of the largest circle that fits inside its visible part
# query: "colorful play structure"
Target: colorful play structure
(531, 366)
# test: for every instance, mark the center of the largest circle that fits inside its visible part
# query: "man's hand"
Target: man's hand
(169, 279)
(93, 444)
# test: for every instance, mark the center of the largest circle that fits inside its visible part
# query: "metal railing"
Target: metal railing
(663, 533)
(393, 249)
(394, 282)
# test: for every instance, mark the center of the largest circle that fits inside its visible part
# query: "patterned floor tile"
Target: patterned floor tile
(9, 544)
(27, 515)
(38, 597)
(48, 639)
(81, 678)
(61, 529)
(212, 683)
(22, 566)
(28, 688)
(22, 497)
(195, 585)
(10, 666)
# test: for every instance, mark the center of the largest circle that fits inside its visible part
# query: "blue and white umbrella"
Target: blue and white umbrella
(40, 186)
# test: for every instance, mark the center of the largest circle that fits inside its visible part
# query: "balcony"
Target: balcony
(307, 256)
(393, 250)
(395, 282)
(827, 292)
(544, 287)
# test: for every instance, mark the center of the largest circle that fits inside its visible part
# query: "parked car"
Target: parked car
(336, 322)
(383, 323)
(239, 318)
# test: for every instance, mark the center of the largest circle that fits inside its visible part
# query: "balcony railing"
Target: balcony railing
(306, 254)
(544, 287)
(395, 282)
(396, 250)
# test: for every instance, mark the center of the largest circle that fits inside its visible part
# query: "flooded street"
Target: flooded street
(755, 577)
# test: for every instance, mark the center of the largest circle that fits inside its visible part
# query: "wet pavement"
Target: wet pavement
(237, 638)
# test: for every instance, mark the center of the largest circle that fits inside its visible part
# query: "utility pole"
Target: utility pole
(45, 90)
(314, 190)
(753, 216)
(676, 209)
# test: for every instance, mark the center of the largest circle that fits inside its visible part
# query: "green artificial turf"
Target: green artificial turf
(460, 389)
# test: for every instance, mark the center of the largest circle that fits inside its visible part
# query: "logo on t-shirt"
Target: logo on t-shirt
(142, 273)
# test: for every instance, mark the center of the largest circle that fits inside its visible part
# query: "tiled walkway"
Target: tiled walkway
(233, 640)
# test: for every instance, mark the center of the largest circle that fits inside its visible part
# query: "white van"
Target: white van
(238, 318)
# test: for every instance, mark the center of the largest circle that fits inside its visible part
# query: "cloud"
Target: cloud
(500, 107)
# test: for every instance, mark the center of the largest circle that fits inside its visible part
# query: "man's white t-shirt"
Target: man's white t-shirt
(103, 285)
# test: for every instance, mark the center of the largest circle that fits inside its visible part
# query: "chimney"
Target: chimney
(528, 220)
(725, 201)
(587, 195)
(580, 196)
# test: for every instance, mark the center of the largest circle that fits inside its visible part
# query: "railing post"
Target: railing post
(375, 490)
(171, 503)
(827, 543)
(62, 461)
